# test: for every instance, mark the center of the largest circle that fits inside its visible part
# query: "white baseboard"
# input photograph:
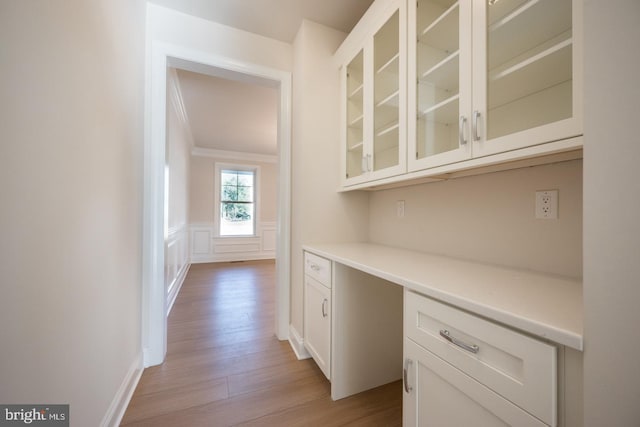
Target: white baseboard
(119, 404)
(232, 257)
(297, 344)
(175, 289)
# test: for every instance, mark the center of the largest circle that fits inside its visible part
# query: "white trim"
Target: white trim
(297, 344)
(178, 103)
(177, 285)
(233, 155)
(154, 321)
(118, 406)
(224, 249)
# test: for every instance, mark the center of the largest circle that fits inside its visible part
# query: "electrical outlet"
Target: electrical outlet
(547, 204)
(400, 208)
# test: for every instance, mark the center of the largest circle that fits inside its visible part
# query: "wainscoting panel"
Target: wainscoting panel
(208, 247)
(176, 262)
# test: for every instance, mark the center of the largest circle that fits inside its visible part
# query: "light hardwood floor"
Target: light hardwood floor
(224, 366)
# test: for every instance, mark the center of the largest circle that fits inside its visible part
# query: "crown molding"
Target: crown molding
(233, 155)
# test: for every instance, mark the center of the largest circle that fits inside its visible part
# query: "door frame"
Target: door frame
(154, 298)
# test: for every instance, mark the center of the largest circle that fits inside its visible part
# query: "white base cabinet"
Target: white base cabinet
(439, 395)
(460, 369)
(317, 311)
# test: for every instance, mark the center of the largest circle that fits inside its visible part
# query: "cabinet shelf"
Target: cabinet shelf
(530, 73)
(390, 101)
(390, 66)
(357, 122)
(356, 146)
(444, 74)
(444, 105)
(389, 127)
(357, 92)
(512, 32)
(442, 33)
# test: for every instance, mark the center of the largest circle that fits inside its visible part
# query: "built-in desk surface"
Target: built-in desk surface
(542, 305)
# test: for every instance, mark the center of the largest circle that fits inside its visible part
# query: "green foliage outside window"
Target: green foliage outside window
(237, 195)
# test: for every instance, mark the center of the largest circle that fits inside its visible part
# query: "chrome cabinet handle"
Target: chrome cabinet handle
(476, 117)
(324, 311)
(469, 347)
(366, 163)
(461, 127)
(405, 375)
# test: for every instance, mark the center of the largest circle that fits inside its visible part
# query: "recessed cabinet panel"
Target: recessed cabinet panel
(437, 394)
(317, 323)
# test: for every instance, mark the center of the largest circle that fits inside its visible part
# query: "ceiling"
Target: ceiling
(230, 115)
(238, 116)
(277, 19)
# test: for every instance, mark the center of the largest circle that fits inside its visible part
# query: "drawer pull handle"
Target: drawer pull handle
(405, 375)
(469, 347)
(314, 267)
(324, 310)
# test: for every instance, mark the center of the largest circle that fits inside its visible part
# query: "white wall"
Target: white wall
(206, 246)
(71, 126)
(178, 156)
(168, 26)
(319, 213)
(611, 214)
(488, 218)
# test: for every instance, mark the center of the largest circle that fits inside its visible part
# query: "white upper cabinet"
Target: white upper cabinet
(374, 101)
(488, 77)
(527, 64)
(439, 70)
(439, 86)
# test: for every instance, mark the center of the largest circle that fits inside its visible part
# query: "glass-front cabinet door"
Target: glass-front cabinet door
(387, 156)
(374, 99)
(527, 74)
(439, 71)
(354, 79)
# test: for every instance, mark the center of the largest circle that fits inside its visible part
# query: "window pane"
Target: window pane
(229, 193)
(245, 179)
(236, 219)
(229, 178)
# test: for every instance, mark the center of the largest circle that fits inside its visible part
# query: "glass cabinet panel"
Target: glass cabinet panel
(386, 94)
(529, 64)
(355, 116)
(437, 76)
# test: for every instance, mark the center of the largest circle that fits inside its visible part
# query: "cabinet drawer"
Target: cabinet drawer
(521, 369)
(317, 267)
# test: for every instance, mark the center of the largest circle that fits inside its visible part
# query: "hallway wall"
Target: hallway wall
(71, 126)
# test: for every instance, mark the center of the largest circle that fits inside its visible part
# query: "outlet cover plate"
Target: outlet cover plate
(547, 204)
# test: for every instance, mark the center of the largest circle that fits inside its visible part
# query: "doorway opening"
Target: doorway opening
(154, 295)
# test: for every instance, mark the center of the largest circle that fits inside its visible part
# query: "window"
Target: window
(237, 202)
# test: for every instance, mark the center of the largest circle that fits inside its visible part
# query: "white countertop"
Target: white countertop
(543, 305)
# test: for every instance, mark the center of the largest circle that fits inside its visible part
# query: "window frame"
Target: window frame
(219, 167)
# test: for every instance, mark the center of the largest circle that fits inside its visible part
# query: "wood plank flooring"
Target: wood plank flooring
(224, 366)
